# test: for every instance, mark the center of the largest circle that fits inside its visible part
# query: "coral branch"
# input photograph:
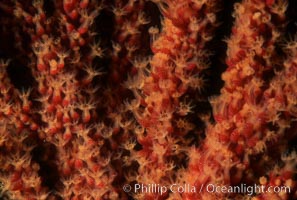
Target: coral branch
(114, 100)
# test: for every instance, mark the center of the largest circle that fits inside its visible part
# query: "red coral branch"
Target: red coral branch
(101, 100)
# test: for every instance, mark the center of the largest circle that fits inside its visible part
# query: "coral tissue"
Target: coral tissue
(139, 99)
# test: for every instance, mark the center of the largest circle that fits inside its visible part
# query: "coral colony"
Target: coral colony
(148, 100)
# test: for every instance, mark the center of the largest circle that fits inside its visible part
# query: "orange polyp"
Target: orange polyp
(239, 149)
(15, 176)
(40, 31)
(57, 98)
(252, 141)
(52, 130)
(41, 67)
(66, 118)
(86, 116)
(74, 14)
(66, 169)
(69, 28)
(67, 136)
(74, 115)
(61, 65)
(50, 108)
(26, 108)
(54, 71)
(82, 30)
(84, 4)
(247, 130)
(90, 181)
(234, 136)
(24, 118)
(78, 163)
(18, 185)
(66, 102)
(34, 127)
(81, 41)
(29, 19)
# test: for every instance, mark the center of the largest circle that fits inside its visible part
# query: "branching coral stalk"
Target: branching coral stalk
(285, 108)
(67, 111)
(129, 20)
(241, 112)
(69, 130)
(18, 174)
(176, 66)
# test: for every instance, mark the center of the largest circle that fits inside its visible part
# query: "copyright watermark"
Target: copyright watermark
(160, 189)
(246, 189)
(209, 188)
(127, 188)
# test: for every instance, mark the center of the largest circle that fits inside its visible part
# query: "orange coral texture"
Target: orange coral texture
(104, 111)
